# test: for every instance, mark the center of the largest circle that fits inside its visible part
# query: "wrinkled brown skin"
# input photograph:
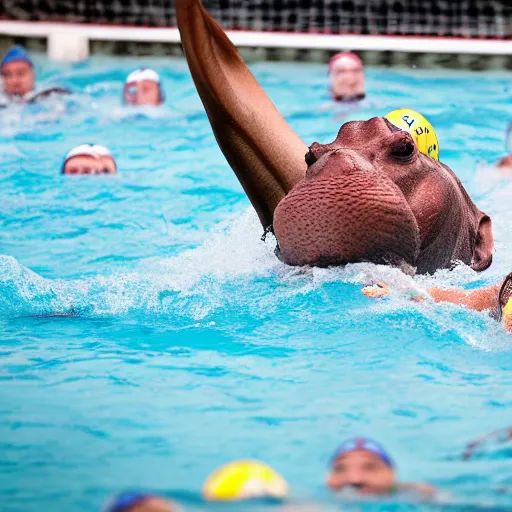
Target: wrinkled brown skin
(368, 196)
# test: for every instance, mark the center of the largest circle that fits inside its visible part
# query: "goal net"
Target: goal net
(447, 18)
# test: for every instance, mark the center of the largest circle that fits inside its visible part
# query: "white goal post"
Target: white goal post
(70, 42)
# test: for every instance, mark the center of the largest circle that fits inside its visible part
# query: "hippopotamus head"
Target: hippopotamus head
(368, 196)
(372, 196)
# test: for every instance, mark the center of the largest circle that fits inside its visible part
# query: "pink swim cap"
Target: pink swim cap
(349, 57)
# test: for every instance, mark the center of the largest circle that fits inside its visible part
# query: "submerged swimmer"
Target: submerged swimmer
(499, 439)
(18, 76)
(17, 72)
(364, 465)
(496, 299)
(89, 159)
(369, 196)
(346, 74)
(139, 502)
(143, 87)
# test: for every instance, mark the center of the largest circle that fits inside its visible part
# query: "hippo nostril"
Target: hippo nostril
(403, 148)
(310, 158)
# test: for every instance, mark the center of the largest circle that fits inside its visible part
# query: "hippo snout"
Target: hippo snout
(345, 212)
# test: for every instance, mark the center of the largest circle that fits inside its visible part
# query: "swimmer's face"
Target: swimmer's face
(347, 79)
(18, 78)
(145, 92)
(363, 471)
(153, 504)
(87, 164)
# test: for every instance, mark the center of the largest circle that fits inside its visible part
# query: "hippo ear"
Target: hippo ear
(484, 245)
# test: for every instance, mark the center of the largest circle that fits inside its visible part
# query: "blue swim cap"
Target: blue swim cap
(16, 53)
(125, 500)
(365, 444)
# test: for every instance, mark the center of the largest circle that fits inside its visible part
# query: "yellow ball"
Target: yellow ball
(244, 479)
(420, 129)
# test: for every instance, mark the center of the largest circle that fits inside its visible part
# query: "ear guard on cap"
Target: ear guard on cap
(244, 480)
(418, 126)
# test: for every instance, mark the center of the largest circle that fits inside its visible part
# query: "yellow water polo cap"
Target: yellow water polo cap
(244, 479)
(507, 315)
(418, 126)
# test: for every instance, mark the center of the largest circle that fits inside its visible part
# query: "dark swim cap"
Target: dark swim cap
(364, 444)
(16, 54)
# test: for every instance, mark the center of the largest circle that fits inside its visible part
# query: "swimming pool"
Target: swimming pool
(194, 345)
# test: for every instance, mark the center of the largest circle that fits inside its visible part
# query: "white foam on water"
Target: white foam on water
(234, 268)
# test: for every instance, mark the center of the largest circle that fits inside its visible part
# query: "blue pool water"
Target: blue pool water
(194, 345)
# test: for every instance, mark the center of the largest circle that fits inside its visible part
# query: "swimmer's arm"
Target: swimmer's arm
(479, 299)
(426, 490)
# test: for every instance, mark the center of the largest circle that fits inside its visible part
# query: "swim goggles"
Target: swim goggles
(365, 444)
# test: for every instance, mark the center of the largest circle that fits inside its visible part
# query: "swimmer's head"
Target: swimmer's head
(143, 87)
(361, 464)
(507, 316)
(346, 72)
(17, 72)
(89, 159)
(503, 311)
(418, 126)
(244, 480)
(139, 502)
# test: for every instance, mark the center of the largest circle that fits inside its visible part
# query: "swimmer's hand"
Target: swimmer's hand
(427, 490)
(381, 290)
(375, 291)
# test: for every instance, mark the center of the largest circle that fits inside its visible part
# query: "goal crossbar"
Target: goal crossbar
(334, 42)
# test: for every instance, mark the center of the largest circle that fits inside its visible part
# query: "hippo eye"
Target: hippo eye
(310, 158)
(402, 148)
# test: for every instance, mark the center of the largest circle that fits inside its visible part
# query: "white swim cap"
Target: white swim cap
(143, 74)
(95, 150)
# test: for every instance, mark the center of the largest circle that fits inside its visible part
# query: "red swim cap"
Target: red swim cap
(349, 57)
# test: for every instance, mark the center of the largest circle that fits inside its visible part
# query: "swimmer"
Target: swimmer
(494, 440)
(496, 299)
(89, 159)
(139, 502)
(143, 87)
(18, 76)
(346, 72)
(17, 71)
(364, 465)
